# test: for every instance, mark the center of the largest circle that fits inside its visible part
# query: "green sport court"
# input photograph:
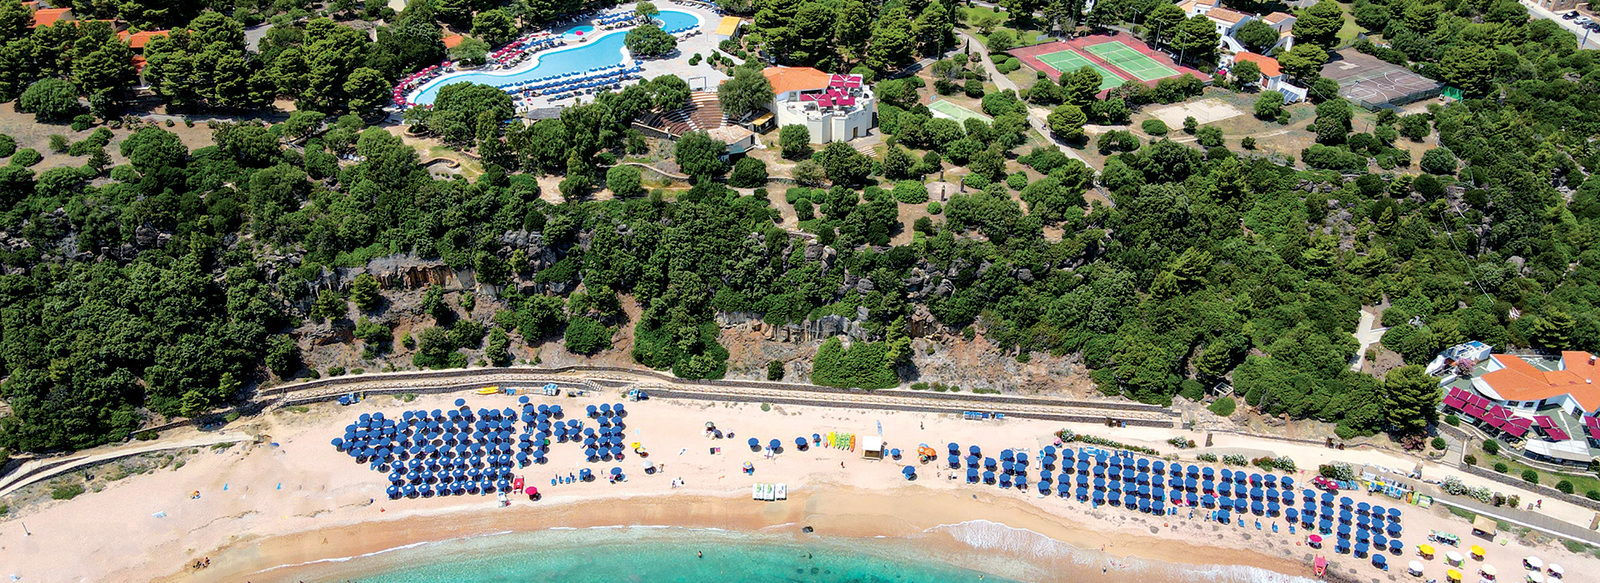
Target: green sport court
(1067, 61)
(956, 112)
(1134, 62)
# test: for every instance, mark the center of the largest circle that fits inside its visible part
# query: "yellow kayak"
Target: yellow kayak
(488, 390)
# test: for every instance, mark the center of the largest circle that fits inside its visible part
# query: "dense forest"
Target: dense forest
(176, 280)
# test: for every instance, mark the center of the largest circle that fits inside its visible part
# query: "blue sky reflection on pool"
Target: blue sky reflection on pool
(601, 51)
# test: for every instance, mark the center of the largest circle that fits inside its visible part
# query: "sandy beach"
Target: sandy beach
(271, 509)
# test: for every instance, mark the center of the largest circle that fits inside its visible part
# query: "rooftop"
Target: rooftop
(1524, 380)
(1277, 18)
(1225, 15)
(729, 134)
(1268, 65)
(786, 79)
(49, 16)
(138, 40)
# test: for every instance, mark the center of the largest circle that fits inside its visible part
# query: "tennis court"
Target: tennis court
(1131, 60)
(956, 112)
(1069, 60)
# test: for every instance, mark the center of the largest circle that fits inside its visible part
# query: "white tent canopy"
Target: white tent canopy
(1533, 562)
(1574, 450)
(872, 447)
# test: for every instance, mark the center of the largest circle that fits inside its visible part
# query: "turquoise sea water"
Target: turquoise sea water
(652, 555)
(602, 51)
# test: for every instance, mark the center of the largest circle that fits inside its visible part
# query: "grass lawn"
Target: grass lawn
(1581, 483)
(1347, 33)
(1024, 37)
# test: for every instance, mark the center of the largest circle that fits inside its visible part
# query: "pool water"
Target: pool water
(599, 51)
(583, 30)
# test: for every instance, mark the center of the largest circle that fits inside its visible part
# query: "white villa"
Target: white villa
(834, 108)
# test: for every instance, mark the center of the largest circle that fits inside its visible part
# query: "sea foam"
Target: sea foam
(987, 535)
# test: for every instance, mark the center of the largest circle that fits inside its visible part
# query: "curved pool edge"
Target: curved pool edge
(439, 82)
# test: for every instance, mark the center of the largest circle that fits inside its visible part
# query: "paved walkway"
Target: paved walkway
(1527, 519)
(1367, 333)
(1036, 116)
(43, 469)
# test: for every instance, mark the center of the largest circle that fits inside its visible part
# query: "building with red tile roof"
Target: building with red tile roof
(49, 16)
(138, 40)
(1522, 384)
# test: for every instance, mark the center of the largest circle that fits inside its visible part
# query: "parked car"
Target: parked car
(1570, 15)
(1593, 25)
(1583, 20)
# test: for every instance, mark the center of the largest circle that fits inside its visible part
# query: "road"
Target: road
(1586, 39)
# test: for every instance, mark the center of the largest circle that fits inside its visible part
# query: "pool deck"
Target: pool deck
(700, 77)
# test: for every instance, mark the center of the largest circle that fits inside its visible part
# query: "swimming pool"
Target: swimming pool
(600, 51)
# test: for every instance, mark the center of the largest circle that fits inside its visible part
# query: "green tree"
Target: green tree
(649, 40)
(1440, 161)
(1319, 25)
(1470, 68)
(624, 181)
(893, 45)
(646, 10)
(1163, 21)
(497, 349)
(1066, 121)
(367, 90)
(283, 356)
(1411, 398)
(700, 156)
(843, 164)
(1081, 86)
(1196, 38)
(50, 100)
(1256, 35)
(1333, 121)
(1304, 61)
(795, 141)
(587, 336)
(1001, 41)
(775, 370)
(898, 163)
(1249, 73)
(748, 173)
(494, 26)
(747, 92)
(364, 292)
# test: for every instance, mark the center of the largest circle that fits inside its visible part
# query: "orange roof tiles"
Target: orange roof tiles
(1276, 18)
(49, 16)
(453, 41)
(1226, 15)
(1520, 381)
(786, 79)
(139, 39)
(1268, 65)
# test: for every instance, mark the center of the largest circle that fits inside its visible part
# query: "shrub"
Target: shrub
(934, 208)
(1530, 476)
(1207, 457)
(775, 370)
(1248, 143)
(66, 492)
(1223, 407)
(748, 173)
(1564, 486)
(1592, 495)
(8, 145)
(1438, 443)
(1469, 459)
(585, 335)
(1451, 419)
(1501, 467)
(1154, 127)
(26, 157)
(50, 99)
(1491, 447)
(1181, 442)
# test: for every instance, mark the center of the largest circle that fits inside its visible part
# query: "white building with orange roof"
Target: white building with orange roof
(833, 108)
(1524, 384)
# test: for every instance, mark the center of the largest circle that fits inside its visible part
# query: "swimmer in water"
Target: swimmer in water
(699, 555)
